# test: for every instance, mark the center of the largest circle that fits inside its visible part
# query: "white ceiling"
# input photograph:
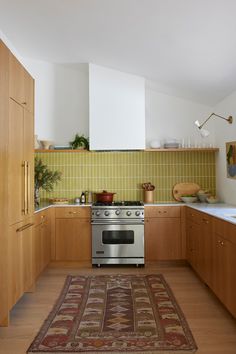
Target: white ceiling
(185, 47)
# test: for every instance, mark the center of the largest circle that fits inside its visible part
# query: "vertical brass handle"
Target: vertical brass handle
(28, 186)
(25, 187)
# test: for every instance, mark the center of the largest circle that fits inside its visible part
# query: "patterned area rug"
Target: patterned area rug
(115, 314)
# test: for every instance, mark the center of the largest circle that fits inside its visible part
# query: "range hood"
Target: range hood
(116, 110)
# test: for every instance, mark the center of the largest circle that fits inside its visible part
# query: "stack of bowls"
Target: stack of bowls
(203, 195)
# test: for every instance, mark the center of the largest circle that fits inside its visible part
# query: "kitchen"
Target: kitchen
(61, 95)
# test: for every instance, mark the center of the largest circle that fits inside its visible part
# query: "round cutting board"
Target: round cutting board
(185, 188)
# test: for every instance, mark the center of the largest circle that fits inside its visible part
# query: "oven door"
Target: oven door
(118, 240)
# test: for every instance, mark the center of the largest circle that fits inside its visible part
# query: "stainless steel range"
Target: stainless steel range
(118, 233)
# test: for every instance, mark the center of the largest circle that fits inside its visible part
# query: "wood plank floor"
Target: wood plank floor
(212, 326)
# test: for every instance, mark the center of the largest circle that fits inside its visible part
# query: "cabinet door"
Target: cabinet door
(27, 256)
(16, 80)
(193, 232)
(28, 92)
(162, 239)
(16, 167)
(224, 265)
(205, 249)
(73, 240)
(38, 251)
(21, 275)
(15, 288)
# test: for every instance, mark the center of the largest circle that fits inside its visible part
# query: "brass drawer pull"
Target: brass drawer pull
(22, 228)
(73, 212)
(205, 220)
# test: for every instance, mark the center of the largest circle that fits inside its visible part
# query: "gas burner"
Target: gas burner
(119, 203)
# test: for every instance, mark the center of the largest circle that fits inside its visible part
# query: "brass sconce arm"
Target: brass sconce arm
(229, 119)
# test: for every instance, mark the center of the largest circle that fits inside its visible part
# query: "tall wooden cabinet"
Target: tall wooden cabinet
(17, 178)
(4, 82)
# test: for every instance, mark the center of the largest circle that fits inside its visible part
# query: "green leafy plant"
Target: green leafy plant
(79, 141)
(43, 177)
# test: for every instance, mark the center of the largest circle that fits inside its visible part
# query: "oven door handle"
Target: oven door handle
(118, 222)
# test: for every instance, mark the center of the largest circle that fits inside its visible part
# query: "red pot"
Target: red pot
(104, 197)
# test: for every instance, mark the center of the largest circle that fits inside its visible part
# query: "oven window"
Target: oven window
(118, 237)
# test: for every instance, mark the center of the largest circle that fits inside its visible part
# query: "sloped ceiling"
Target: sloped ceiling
(184, 47)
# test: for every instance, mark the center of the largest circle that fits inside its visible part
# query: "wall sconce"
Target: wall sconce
(204, 133)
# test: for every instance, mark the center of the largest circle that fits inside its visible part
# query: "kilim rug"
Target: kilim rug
(115, 314)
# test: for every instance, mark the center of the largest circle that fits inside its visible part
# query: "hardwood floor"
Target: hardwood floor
(214, 329)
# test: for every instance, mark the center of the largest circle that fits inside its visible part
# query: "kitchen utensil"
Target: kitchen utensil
(104, 197)
(183, 188)
(148, 186)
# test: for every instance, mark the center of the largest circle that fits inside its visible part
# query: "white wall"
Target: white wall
(172, 117)
(225, 132)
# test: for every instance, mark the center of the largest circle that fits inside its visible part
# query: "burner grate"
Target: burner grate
(119, 203)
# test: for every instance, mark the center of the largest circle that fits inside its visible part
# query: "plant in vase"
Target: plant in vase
(80, 141)
(43, 178)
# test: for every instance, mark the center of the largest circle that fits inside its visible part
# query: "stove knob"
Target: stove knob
(128, 213)
(137, 213)
(98, 213)
(117, 212)
(106, 213)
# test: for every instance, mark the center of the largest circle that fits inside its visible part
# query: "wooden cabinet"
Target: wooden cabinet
(163, 236)
(4, 54)
(21, 84)
(20, 153)
(73, 234)
(21, 275)
(16, 176)
(42, 240)
(224, 263)
(199, 243)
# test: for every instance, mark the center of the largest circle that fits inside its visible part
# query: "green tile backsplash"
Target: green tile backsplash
(124, 172)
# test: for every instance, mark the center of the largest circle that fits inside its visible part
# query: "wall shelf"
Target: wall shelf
(146, 150)
(184, 149)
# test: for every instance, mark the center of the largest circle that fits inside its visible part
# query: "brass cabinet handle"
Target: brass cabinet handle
(24, 165)
(24, 103)
(205, 220)
(28, 186)
(73, 212)
(22, 228)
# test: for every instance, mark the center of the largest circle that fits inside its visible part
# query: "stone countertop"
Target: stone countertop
(220, 210)
(46, 205)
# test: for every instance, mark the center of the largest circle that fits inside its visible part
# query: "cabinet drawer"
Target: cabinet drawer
(162, 211)
(198, 216)
(225, 229)
(73, 212)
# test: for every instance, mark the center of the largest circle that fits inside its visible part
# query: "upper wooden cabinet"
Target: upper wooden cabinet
(21, 84)
(20, 142)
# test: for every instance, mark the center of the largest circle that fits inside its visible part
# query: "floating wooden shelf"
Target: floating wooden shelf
(148, 150)
(61, 150)
(184, 149)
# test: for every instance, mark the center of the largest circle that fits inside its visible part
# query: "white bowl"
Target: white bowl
(203, 197)
(189, 199)
(212, 200)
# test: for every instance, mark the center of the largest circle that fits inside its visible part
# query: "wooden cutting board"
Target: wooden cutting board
(185, 188)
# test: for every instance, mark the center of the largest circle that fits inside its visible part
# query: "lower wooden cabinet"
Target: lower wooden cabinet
(73, 234)
(199, 228)
(224, 264)
(42, 240)
(20, 264)
(163, 237)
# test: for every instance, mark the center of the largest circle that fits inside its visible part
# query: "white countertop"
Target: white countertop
(220, 210)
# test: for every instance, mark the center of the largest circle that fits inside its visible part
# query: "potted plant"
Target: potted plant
(80, 141)
(43, 178)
